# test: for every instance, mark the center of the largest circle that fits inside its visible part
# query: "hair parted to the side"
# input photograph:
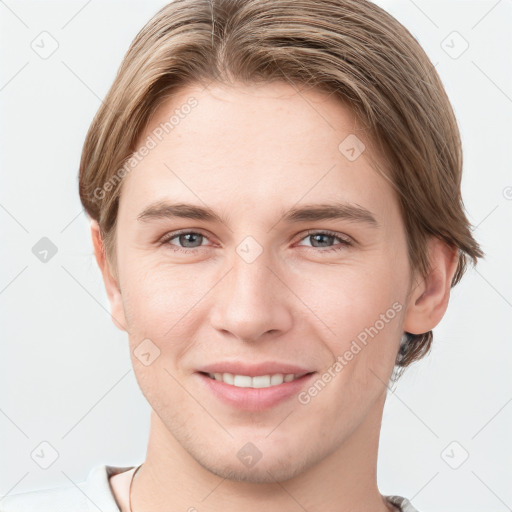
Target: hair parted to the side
(351, 49)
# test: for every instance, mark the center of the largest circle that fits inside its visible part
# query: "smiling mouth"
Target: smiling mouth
(259, 381)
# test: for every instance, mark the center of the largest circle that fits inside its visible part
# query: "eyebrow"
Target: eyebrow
(163, 210)
(343, 211)
(316, 212)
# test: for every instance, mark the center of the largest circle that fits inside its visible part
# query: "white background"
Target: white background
(66, 376)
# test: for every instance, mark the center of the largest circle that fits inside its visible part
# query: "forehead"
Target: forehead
(248, 146)
(258, 117)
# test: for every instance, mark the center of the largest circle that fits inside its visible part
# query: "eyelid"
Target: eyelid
(165, 241)
(341, 236)
(173, 234)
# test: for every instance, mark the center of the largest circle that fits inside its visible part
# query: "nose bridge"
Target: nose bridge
(251, 279)
(250, 299)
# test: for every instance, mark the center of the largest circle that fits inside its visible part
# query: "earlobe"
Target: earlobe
(430, 295)
(111, 285)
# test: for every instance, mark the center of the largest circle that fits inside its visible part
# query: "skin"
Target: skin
(251, 153)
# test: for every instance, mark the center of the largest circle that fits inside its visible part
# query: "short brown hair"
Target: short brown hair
(350, 48)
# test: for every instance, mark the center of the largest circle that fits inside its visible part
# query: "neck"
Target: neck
(345, 480)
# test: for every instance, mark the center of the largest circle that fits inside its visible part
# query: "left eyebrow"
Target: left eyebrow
(344, 211)
(163, 210)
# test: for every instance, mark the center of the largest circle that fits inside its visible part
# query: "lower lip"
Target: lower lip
(254, 399)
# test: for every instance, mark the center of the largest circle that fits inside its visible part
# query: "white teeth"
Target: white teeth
(228, 378)
(276, 379)
(242, 381)
(260, 381)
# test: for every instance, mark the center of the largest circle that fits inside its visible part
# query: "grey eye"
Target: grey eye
(189, 240)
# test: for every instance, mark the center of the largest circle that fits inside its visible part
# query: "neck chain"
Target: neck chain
(130, 490)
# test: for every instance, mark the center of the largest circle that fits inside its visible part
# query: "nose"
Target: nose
(251, 301)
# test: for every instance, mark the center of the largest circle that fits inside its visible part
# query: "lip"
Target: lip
(254, 399)
(253, 370)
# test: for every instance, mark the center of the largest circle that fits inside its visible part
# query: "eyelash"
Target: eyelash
(345, 242)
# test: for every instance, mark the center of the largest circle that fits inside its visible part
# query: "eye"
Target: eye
(321, 238)
(190, 240)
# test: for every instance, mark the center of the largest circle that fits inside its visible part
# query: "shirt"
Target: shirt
(95, 493)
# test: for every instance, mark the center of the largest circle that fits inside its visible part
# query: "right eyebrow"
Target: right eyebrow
(334, 211)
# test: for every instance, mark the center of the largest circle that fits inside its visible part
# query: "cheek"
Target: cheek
(161, 321)
(168, 304)
(158, 296)
(363, 308)
(349, 299)
(363, 311)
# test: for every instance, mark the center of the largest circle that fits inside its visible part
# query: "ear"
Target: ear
(111, 285)
(430, 295)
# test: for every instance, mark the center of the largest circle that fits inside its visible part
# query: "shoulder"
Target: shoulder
(58, 499)
(93, 494)
(402, 503)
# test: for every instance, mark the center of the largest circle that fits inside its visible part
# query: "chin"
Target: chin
(269, 469)
(256, 475)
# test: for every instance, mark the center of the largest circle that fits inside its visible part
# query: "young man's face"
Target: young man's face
(260, 287)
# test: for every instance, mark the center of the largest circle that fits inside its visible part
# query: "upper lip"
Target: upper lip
(253, 370)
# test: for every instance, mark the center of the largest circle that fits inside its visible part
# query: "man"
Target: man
(274, 194)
